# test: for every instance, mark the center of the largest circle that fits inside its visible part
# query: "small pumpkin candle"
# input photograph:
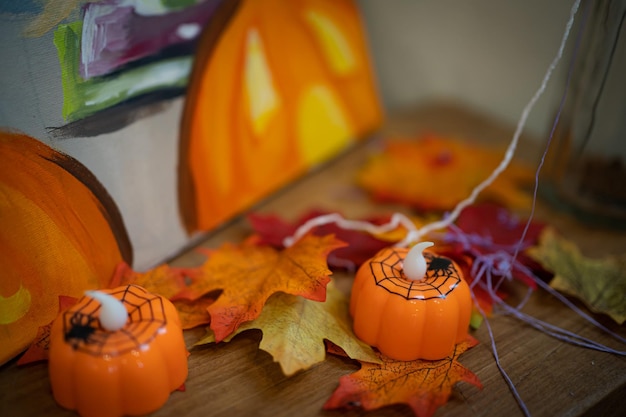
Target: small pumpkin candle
(411, 304)
(117, 352)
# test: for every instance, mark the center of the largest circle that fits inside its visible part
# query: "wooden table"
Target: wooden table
(238, 379)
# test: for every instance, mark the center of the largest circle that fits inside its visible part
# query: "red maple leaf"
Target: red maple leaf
(361, 246)
(487, 229)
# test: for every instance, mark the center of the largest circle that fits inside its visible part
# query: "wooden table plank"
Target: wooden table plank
(237, 379)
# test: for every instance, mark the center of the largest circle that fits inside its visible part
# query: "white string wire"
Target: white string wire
(510, 152)
(398, 219)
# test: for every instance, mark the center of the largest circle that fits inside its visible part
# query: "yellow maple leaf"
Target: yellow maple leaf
(294, 330)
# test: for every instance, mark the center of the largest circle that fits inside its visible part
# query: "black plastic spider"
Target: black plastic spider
(441, 267)
(82, 329)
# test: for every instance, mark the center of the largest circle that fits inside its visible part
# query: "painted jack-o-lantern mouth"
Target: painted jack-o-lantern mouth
(408, 319)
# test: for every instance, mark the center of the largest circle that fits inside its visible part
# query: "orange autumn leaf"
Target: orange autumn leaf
(194, 313)
(168, 281)
(422, 385)
(248, 274)
(435, 173)
(163, 279)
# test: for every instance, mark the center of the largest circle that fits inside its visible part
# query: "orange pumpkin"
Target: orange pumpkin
(106, 369)
(407, 319)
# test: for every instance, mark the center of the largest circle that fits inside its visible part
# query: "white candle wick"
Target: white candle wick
(113, 314)
(414, 265)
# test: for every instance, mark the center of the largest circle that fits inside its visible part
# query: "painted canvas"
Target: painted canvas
(131, 127)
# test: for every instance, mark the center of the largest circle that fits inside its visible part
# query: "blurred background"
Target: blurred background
(488, 54)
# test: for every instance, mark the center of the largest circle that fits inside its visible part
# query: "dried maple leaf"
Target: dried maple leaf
(599, 283)
(194, 313)
(435, 173)
(38, 350)
(168, 282)
(294, 330)
(163, 279)
(248, 274)
(422, 385)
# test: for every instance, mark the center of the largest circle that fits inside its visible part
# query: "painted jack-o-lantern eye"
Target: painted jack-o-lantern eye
(408, 319)
(103, 363)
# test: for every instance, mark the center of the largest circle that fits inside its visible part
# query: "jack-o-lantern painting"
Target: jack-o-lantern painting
(277, 87)
(61, 234)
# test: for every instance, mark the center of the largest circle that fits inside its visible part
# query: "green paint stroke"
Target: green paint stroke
(82, 98)
(178, 4)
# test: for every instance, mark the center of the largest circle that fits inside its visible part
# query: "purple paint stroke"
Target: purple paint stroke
(115, 34)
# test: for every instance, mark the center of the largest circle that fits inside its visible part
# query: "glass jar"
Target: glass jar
(585, 169)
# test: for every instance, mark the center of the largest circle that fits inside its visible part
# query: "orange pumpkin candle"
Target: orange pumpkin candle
(411, 304)
(117, 352)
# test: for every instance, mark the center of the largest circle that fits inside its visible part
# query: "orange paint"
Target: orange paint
(277, 86)
(61, 234)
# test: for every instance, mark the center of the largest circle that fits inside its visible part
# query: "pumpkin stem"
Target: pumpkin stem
(414, 265)
(113, 314)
